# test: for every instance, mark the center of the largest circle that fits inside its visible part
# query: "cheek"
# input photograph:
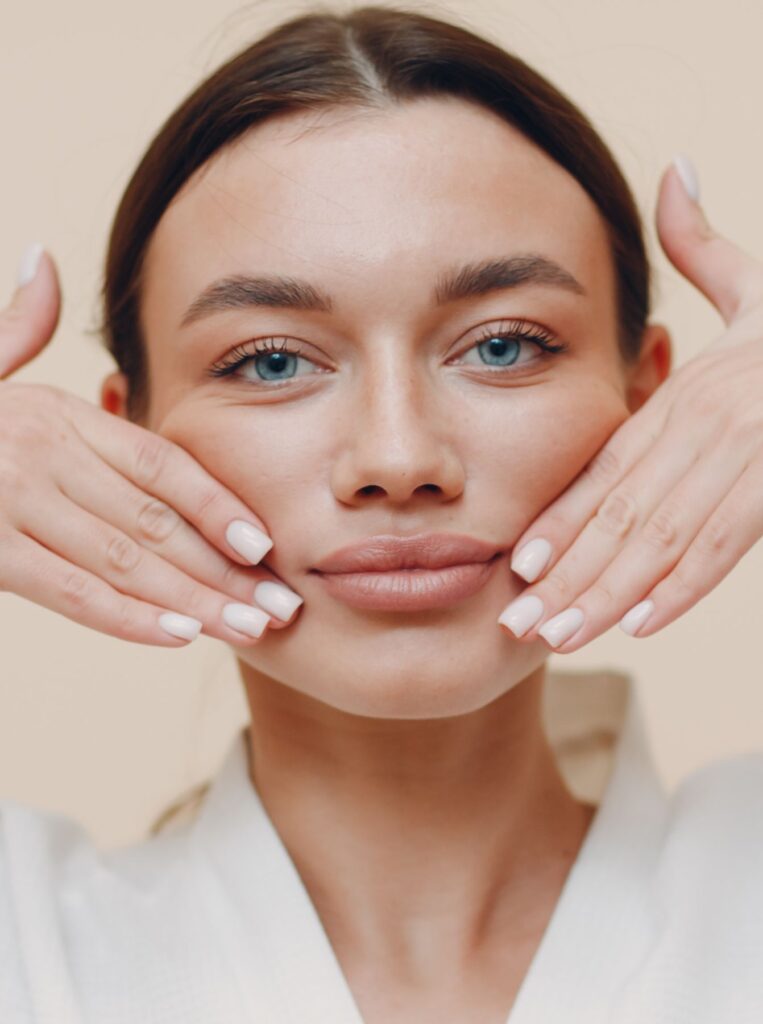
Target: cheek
(270, 462)
(546, 442)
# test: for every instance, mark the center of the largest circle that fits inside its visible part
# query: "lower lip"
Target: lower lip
(407, 590)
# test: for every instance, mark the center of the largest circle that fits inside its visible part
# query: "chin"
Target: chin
(437, 683)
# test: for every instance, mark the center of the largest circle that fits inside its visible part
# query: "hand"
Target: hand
(112, 525)
(672, 501)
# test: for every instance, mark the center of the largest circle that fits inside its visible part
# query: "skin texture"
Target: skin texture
(410, 742)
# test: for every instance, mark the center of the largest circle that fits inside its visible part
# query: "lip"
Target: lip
(426, 571)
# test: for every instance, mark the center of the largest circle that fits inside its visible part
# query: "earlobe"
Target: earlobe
(114, 394)
(651, 368)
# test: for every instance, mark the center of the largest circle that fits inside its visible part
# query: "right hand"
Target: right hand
(103, 521)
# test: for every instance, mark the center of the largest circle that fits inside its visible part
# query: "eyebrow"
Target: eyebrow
(472, 280)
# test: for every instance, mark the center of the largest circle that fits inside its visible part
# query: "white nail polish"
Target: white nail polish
(531, 559)
(30, 261)
(251, 543)
(562, 626)
(688, 175)
(277, 599)
(182, 626)
(246, 619)
(633, 620)
(521, 614)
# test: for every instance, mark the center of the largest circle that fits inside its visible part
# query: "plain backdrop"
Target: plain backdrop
(108, 732)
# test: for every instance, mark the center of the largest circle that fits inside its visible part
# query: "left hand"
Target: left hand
(672, 501)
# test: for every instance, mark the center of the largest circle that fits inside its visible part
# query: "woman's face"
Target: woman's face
(398, 415)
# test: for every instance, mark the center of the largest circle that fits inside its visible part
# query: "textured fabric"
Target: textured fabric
(660, 919)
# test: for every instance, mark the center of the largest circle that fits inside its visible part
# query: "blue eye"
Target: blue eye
(269, 362)
(503, 348)
(274, 365)
(499, 351)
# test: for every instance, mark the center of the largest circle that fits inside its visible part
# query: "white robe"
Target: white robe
(660, 920)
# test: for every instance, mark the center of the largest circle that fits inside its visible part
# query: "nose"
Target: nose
(400, 447)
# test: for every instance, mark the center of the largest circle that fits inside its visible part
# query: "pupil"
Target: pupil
(277, 361)
(499, 351)
(275, 365)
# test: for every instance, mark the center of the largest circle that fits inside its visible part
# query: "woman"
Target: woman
(378, 298)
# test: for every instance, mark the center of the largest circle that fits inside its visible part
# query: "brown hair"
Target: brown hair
(370, 57)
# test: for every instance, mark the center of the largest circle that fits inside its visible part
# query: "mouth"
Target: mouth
(426, 572)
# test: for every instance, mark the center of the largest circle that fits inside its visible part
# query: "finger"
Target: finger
(726, 275)
(623, 514)
(651, 554)
(723, 540)
(39, 575)
(167, 471)
(97, 488)
(541, 546)
(28, 323)
(87, 542)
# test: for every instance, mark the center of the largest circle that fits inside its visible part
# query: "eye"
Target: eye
(264, 362)
(502, 348)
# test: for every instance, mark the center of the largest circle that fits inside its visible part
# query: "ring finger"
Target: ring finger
(108, 553)
(648, 557)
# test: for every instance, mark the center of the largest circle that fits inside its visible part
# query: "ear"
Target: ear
(114, 393)
(651, 368)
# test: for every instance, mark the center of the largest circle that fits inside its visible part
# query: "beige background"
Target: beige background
(107, 732)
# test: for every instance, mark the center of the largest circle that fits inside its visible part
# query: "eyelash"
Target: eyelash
(515, 330)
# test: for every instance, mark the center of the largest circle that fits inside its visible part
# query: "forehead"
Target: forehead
(356, 199)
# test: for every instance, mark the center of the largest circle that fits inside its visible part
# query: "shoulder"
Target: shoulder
(722, 805)
(707, 885)
(79, 923)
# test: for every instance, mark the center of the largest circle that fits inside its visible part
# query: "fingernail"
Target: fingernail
(562, 626)
(521, 614)
(182, 626)
(246, 619)
(251, 543)
(277, 599)
(531, 559)
(30, 261)
(633, 620)
(687, 172)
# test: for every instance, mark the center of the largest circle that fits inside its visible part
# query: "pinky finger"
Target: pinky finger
(34, 572)
(729, 533)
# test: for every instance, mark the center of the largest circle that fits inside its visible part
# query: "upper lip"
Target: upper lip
(386, 552)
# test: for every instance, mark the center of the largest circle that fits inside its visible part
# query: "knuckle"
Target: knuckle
(208, 500)
(600, 596)
(193, 601)
(13, 480)
(157, 521)
(702, 403)
(682, 581)
(617, 513)
(231, 580)
(714, 538)
(748, 429)
(660, 530)
(123, 554)
(76, 592)
(604, 467)
(559, 586)
(150, 459)
(128, 621)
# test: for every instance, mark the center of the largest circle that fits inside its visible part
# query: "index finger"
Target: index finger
(168, 472)
(729, 277)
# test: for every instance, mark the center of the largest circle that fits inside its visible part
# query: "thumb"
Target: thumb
(28, 323)
(726, 275)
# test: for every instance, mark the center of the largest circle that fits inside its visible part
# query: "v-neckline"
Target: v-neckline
(282, 959)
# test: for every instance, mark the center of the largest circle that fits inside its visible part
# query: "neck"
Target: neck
(419, 841)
